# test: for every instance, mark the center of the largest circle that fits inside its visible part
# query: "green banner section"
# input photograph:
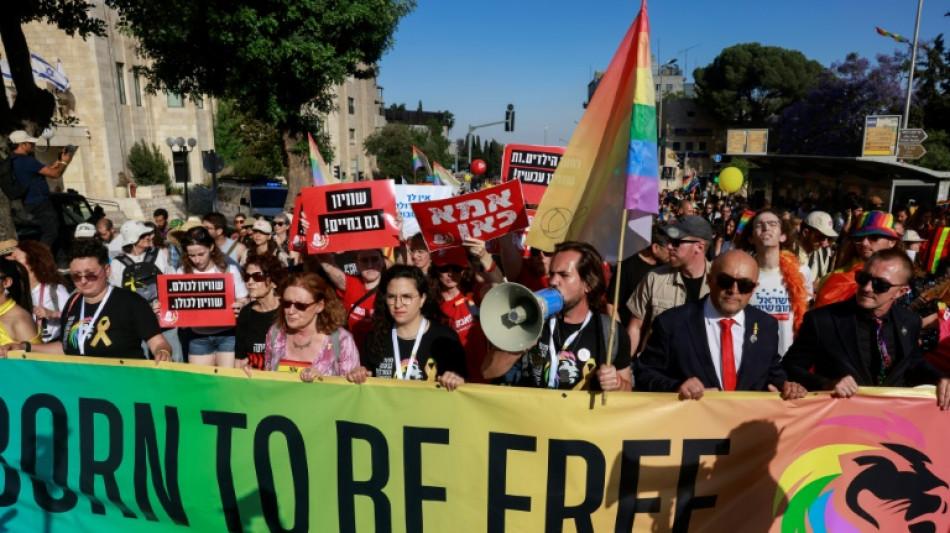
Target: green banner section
(89, 445)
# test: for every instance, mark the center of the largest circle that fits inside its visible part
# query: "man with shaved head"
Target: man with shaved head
(717, 343)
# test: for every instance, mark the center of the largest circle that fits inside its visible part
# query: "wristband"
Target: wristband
(27, 347)
(165, 351)
(492, 267)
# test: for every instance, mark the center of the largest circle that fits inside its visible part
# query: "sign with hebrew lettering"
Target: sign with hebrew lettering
(533, 166)
(195, 300)
(406, 195)
(350, 216)
(483, 214)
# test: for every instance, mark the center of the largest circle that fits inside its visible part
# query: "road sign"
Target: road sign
(912, 136)
(880, 135)
(910, 151)
(752, 141)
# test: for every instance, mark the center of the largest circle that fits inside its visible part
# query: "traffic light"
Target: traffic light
(336, 172)
(359, 176)
(510, 118)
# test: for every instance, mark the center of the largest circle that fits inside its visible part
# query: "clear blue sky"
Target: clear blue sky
(473, 57)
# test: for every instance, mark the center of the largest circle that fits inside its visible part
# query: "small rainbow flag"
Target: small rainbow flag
(896, 37)
(321, 174)
(419, 160)
(937, 249)
(744, 220)
(443, 176)
(943, 205)
(693, 183)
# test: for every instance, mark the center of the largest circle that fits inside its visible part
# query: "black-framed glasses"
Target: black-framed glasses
(258, 277)
(878, 285)
(450, 268)
(279, 223)
(871, 238)
(675, 243)
(300, 306)
(78, 277)
(743, 285)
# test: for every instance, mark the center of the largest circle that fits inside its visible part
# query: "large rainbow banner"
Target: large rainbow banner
(101, 446)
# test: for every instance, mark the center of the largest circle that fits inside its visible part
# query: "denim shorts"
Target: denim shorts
(211, 344)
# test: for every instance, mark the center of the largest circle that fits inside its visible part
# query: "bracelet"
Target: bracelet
(164, 350)
(27, 347)
(492, 268)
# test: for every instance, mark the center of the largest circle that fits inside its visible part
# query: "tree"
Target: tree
(147, 164)
(748, 83)
(392, 147)
(248, 145)
(829, 120)
(279, 59)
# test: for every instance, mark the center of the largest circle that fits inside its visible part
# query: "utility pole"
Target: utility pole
(913, 64)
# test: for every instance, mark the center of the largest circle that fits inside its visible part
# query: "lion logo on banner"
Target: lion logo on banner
(864, 485)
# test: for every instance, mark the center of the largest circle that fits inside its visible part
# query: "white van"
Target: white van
(251, 198)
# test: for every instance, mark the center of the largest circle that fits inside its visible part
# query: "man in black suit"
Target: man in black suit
(692, 346)
(866, 340)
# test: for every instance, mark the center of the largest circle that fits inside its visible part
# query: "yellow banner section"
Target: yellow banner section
(95, 445)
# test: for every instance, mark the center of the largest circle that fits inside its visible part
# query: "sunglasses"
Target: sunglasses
(743, 285)
(300, 306)
(280, 223)
(878, 285)
(258, 277)
(450, 268)
(91, 278)
(870, 238)
(675, 243)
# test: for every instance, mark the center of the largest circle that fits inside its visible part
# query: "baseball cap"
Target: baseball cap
(133, 230)
(450, 256)
(262, 226)
(876, 223)
(84, 230)
(690, 226)
(20, 136)
(821, 221)
(912, 236)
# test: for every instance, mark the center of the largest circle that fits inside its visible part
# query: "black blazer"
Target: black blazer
(828, 343)
(677, 350)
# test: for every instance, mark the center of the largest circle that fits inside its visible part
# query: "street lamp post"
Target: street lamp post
(180, 149)
(913, 63)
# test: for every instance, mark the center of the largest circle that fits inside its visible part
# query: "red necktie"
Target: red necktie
(728, 359)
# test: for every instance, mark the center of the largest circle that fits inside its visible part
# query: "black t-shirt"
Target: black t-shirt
(252, 326)
(581, 357)
(632, 271)
(125, 322)
(693, 286)
(439, 346)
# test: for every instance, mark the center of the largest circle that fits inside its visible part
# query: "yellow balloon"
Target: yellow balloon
(730, 180)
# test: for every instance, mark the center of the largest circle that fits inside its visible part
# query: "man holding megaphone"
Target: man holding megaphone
(570, 348)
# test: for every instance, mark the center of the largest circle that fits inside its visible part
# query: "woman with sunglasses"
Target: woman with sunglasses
(262, 275)
(101, 320)
(309, 330)
(47, 286)
(408, 340)
(210, 346)
(16, 323)
(281, 238)
(358, 293)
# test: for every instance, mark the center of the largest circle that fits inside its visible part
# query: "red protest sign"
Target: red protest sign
(483, 214)
(350, 216)
(196, 300)
(533, 166)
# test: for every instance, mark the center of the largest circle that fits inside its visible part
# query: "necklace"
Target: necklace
(304, 345)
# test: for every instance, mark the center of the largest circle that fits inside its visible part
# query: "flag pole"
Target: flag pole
(616, 296)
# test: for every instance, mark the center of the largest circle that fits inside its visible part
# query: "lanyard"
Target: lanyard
(554, 354)
(412, 357)
(85, 329)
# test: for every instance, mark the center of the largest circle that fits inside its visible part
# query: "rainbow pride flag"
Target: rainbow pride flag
(693, 183)
(419, 160)
(897, 37)
(443, 176)
(321, 174)
(937, 249)
(613, 149)
(744, 220)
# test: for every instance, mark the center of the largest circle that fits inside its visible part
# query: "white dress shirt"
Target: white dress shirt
(711, 317)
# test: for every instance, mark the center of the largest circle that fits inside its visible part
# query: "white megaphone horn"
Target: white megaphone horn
(512, 316)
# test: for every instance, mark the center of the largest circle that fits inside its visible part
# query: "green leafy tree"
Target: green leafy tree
(250, 146)
(279, 59)
(147, 164)
(938, 151)
(392, 147)
(748, 83)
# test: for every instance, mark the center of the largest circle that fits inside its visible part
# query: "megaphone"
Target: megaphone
(512, 316)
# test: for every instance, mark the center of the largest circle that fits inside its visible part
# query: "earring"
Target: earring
(6, 292)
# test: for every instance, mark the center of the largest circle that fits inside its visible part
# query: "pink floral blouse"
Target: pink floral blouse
(325, 360)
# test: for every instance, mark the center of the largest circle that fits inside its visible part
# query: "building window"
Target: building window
(657, 87)
(351, 105)
(352, 135)
(200, 103)
(689, 146)
(702, 146)
(120, 81)
(137, 85)
(676, 146)
(669, 87)
(175, 99)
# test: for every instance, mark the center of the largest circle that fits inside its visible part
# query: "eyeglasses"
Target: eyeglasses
(91, 278)
(258, 277)
(276, 223)
(675, 243)
(450, 268)
(369, 260)
(239, 221)
(871, 238)
(300, 306)
(404, 299)
(878, 285)
(743, 285)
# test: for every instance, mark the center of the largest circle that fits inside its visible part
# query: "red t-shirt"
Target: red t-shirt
(360, 319)
(470, 333)
(529, 280)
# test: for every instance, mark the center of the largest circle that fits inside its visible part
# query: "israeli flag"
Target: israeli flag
(43, 72)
